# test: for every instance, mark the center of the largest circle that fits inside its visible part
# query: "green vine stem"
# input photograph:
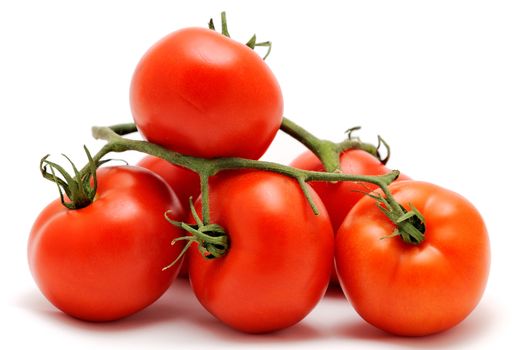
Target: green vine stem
(409, 225)
(210, 167)
(327, 151)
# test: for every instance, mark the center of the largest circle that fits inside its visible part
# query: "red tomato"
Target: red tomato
(104, 261)
(203, 94)
(414, 289)
(184, 182)
(280, 257)
(340, 197)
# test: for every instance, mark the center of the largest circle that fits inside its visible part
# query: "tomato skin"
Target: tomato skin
(104, 262)
(280, 256)
(339, 198)
(184, 182)
(414, 290)
(200, 93)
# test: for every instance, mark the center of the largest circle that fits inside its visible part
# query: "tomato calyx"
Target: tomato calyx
(410, 224)
(211, 239)
(76, 191)
(251, 43)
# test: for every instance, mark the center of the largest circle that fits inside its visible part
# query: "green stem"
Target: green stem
(327, 151)
(305, 137)
(210, 167)
(205, 207)
(224, 25)
(323, 149)
(124, 129)
(117, 143)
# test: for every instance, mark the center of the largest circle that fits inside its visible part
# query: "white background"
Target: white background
(437, 79)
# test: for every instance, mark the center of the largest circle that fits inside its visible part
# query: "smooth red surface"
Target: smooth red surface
(411, 289)
(184, 182)
(280, 257)
(104, 262)
(339, 198)
(200, 93)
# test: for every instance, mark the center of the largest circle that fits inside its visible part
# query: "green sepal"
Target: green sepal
(211, 239)
(77, 188)
(410, 225)
(251, 43)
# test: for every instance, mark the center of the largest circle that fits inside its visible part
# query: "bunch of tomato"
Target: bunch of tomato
(205, 95)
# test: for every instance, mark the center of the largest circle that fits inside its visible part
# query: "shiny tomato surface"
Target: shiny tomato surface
(414, 289)
(201, 93)
(280, 257)
(104, 261)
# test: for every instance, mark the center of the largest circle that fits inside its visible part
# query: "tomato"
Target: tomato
(414, 289)
(184, 182)
(201, 93)
(278, 264)
(340, 197)
(104, 261)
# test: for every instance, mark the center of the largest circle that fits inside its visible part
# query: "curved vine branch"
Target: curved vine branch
(116, 142)
(327, 151)
(210, 167)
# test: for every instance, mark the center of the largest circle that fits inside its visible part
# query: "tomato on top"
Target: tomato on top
(203, 94)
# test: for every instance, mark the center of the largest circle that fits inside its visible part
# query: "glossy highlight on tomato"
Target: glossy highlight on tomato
(414, 289)
(280, 257)
(104, 261)
(203, 94)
